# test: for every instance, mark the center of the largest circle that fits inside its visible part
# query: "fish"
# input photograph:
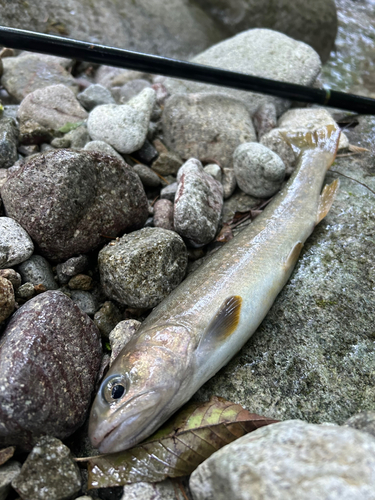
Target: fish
(206, 320)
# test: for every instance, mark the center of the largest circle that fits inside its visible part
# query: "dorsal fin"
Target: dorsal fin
(223, 324)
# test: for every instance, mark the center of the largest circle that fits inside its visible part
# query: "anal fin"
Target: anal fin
(326, 199)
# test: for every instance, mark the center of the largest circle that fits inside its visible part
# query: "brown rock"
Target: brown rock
(80, 282)
(7, 301)
(163, 214)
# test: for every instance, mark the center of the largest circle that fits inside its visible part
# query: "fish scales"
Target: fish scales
(198, 328)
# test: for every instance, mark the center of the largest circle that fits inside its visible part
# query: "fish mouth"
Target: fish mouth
(126, 430)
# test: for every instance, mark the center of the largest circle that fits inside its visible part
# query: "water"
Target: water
(351, 67)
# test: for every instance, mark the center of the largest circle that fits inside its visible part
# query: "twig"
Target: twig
(351, 178)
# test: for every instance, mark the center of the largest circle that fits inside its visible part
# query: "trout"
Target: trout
(199, 327)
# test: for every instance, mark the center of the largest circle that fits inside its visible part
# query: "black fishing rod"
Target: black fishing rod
(113, 56)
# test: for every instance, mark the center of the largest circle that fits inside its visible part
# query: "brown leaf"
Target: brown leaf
(6, 454)
(178, 447)
(225, 234)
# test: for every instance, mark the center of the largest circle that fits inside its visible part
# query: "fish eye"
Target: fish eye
(114, 387)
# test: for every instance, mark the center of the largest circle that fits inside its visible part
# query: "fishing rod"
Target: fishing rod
(113, 56)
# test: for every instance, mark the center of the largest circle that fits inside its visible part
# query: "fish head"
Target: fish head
(136, 395)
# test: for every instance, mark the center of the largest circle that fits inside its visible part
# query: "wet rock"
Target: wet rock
(165, 490)
(167, 163)
(29, 72)
(95, 95)
(8, 473)
(364, 421)
(120, 336)
(15, 244)
(214, 170)
(104, 148)
(163, 214)
(142, 268)
(51, 108)
(265, 119)
(259, 171)
(229, 182)
(8, 142)
(147, 176)
(26, 291)
(49, 472)
(132, 88)
(85, 301)
(71, 267)
(7, 300)
(12, 276)
(288, 461)
(274, 141)
(37, 270)
(316, 343)
(123, 126)
(169, 192)
(258, 52)
(68, 201)
(80, 282)
(198, 204)
(146, 153)
(49, 357)
(207, 126)
(107, 318)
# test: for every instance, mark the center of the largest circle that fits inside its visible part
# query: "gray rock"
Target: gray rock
(289, 461)
(214, 170)
(114, 78)
(120, 336)
(147, 176)
(8, 472)
(125, 126)
(11, 111)
(50, 107)
(71, 267)
(15, 243)
(364, 421)
(3, 176)
(28, 150)
(69, 201)
(49, 472)
(85, 301)
(146, 153)
(107, 318)
(276, 143)
(7, 300)
(316, 343)
(26, 291)
(104, 148)
(169, 192)
(229, 182)
(258, 52)
(198, 204)
(37, 270)
(265, 119)
(163, 214)
(167, 163)
(314, 24)
(12, 276)
(78, 137)
(29, 72)
(132, 88)
(49, 358)
(142, 268)
(207, 126)
(95, 95)
(259, 171)
(8, 142)
(165, 490)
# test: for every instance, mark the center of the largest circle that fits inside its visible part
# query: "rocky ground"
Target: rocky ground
(114, 186)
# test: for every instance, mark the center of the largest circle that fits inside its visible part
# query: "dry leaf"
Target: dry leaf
(357, 149)
(178, 447)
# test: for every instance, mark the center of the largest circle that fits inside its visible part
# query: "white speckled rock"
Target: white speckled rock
(37, 270)
(120, 336)
(259, 171)
(291, 460)
(7, 301)
(165, 490)
(198, 204)
(258, 52)
(8, 472)
(123, 126)
(15, 244)
(105, 148)
(214, 170)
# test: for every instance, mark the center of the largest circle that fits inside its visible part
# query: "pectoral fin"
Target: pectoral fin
(326, 199)
(292, 258)
(223, 324)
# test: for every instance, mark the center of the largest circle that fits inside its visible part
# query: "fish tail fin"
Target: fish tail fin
(324, 139)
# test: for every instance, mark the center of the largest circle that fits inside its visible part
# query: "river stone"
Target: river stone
(104, 148)
(290, 460)
(95, 95)
(107, 318)
(122, 333)
(229, 182)
(164, 490)
(85, 301)
(163, 214)
(37, 270)
(8, 142)
(132, 88)
(49, 472)
(364, 421)
(148, 177)
(71, 267)
(8, 472)
(313, 355)
(214, 170)
(26, 291)
(15, 244)
(257, 52)
(123, 126)
(51, 107)
(28, 72)
(167, 163)
(169, 191)
(49, 358)
(198, 204)
(208, 126)
(112, 77)
(68, 201)
(259, 171)
(314, 24)
(142, 268)
(81, 282)
(12, 276)
(274, 141)
(7, 300)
